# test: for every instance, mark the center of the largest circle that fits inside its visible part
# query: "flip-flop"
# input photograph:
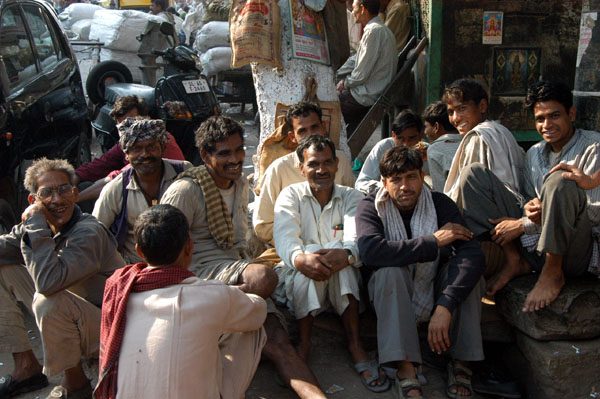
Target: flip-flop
(372, 366)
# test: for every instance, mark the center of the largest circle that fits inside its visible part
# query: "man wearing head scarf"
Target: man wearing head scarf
(139, 187)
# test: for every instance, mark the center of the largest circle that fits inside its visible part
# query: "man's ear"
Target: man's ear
(203, 155)
(436, 128)
(482, 106)
(139, 251)
(572, 113)
(292, 137)
(301, 166)
(31, 199)
(76, 194)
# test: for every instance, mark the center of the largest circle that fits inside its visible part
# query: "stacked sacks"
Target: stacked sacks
(118, 30)
(212, 41)
(76, 20)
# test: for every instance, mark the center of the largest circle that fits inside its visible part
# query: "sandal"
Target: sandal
(372, 366)
(459, 376)
(9, 387)
(405, 385)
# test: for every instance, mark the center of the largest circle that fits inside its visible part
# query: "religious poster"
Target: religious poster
(515, 69)
(492, 27)
(309, 40)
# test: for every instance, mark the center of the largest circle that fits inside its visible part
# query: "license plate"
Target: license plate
(195, 86)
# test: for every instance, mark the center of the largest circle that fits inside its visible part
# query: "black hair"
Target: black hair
(302, 109)
(465, 90)
(400, 159)
(216, 129)
(372, 6)
(160, 232)
(318, 142)
(161, 3)
(406, 120)
(438, 112)
(546, 90)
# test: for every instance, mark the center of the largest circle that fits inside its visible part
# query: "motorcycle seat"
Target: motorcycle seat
(114, 91)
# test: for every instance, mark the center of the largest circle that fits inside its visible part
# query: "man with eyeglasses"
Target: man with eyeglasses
(55, 262)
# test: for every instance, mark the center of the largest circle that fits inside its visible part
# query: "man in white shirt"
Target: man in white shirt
(371, 69)
(304, 119)
(407, 130)
(315, 235)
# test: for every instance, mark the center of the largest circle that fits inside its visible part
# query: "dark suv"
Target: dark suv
(43, 111)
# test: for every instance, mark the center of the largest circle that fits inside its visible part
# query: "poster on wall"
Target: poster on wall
(515, 69)
(309, 40)
(492, 27)
(588, 21)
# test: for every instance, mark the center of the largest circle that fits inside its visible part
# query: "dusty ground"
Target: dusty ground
(329, 360)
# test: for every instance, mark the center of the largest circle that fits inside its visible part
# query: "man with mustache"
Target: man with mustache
(315, 235)
(401, 229)
(214, 199)
(139, 187)
(55, 262)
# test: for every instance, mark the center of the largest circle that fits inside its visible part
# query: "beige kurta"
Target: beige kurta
(396, 16)
(280, 174)
(109, 204)
(187, 196)
(179, 342)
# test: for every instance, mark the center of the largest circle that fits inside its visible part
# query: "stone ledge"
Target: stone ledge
(573, 315)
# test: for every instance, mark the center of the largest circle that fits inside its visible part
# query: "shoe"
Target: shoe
(10, 387)
(492, 383)
(373, 367)
(60, 392)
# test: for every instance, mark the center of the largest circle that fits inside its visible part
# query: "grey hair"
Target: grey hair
(41, 166)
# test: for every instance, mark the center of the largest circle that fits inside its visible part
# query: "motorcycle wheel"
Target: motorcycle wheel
(104, 74)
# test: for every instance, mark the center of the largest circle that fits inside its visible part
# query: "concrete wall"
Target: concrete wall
(551, 26)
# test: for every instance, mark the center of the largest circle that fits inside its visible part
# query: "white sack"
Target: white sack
(82, 29)
(215, 60)
(76, 12)
(118, 29)
(212, 34)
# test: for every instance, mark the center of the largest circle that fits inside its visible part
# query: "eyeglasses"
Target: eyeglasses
(47, 192)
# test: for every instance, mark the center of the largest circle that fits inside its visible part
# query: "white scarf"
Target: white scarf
(423, 222)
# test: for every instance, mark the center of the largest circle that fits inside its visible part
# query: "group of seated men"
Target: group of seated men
(191, 313)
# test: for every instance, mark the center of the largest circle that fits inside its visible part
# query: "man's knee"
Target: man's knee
(44, 306)
(262, 279)
(474, 172)
(557, 186)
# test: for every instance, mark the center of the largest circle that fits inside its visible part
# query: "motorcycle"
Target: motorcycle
(182, 98)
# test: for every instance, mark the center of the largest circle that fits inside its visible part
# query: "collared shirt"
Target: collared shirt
(582, 150)
(109, 204)
(187, 196)
(79, 258)
(374, 64)
(397, 17)
(300, 221)
(280, 174)
(439, 157)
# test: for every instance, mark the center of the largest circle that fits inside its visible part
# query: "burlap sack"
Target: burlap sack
(255, 33)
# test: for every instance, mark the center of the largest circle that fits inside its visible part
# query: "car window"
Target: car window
(15, 47)
(42, 38)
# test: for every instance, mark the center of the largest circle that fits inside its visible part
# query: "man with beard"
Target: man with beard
(214, 199)
(139, 187)
(55, 263)
(315, 236)
(401, 228)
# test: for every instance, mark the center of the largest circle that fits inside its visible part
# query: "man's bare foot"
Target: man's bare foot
(303, 350)
(512, 268)
(545, 291)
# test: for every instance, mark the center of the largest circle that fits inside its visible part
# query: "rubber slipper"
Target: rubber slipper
(372, 366)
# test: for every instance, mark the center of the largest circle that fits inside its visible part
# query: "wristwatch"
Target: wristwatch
(351, 258)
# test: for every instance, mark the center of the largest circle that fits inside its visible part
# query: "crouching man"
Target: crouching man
(55, 262)
(401, 228)
(209, 337)
(315, 236)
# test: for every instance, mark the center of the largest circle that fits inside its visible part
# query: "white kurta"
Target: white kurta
(179, 342)
(301, 226)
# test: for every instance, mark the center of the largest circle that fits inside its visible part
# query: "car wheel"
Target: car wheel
(104, 74)
(7, 217)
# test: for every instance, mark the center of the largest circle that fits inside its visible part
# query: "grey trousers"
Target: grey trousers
(565, 228)
(391, 290)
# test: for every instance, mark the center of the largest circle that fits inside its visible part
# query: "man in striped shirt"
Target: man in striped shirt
(555, 233)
